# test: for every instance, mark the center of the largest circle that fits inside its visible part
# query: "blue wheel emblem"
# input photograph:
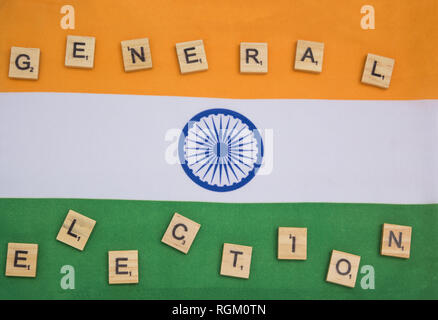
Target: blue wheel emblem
(220, 150)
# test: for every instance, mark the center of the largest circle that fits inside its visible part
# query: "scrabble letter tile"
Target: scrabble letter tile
(309, 56)
(24, 63)
(180, 233)
(292, 243)
(123, 266)
(377, 71)
(343, 268)
(191, 56)
(396, 241)
(79, 52)
(236, 261)
(21, 260)
(253, 57)
(76, 230)
(136, 54)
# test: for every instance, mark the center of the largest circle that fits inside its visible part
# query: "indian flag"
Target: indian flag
(240, 154)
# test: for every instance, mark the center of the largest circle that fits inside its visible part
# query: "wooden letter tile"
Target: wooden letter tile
(343, 268)
(24, 63)
(292, 243)
(191, 56)
(76, 230)
(123, 266)
(253, 57)
(180, 233)
(309, 56)
(136, 54)
(79, 52)
(236, 261)
(21, 260)
(377, 71)
(396, 241)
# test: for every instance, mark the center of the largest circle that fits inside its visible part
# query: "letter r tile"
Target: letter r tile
(309, 56)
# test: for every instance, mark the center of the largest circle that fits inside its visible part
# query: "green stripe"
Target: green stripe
(165, 273)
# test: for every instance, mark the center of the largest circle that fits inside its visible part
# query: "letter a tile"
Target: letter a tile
(136, 54)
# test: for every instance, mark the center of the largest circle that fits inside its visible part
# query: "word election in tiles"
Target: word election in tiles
(123, 266)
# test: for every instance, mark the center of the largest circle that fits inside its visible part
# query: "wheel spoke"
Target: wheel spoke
(209, 130)
(206, 135)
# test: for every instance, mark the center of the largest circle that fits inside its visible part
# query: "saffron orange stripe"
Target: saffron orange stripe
(404, 30)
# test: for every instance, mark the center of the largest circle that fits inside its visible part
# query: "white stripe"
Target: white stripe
(113, 146)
